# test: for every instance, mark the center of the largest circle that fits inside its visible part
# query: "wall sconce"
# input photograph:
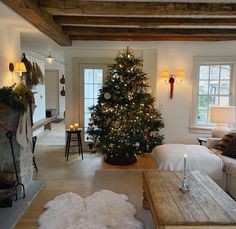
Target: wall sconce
(19, 67)
(49, 58)
(172, 78)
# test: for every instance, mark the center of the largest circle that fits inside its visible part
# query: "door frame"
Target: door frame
(81, 90)
(57, 88)
(78, 88)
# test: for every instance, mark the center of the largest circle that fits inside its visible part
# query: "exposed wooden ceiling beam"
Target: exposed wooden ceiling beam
(40, 18)
(143, 22)
(59, 7)
(81, 30)
(147, 34)
(170, 37)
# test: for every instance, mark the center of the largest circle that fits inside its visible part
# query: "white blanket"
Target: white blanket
(171, 157)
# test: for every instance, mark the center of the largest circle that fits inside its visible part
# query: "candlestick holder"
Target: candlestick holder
(184, 187)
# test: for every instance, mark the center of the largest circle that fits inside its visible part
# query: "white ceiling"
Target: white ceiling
(31, 38)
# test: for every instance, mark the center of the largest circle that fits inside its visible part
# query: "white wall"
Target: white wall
(40, 94)
(177, 111)
(157, 56)
(9, 52)
(39, 90)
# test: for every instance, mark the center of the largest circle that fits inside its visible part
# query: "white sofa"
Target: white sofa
(221, 169)
(229, 175)
(229, 168)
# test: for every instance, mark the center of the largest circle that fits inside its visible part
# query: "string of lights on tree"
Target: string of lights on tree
(124, 122)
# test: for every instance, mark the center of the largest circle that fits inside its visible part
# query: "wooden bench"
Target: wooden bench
(46, 122)
(206, 205)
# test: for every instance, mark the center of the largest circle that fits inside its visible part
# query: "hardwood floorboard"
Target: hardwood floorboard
(73, 176)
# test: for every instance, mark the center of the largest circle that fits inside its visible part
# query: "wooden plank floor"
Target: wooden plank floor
(61, 176)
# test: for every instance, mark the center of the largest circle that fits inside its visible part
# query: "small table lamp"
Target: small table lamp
(222, 116)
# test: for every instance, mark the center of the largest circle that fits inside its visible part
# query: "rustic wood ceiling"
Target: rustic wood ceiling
(67, 20)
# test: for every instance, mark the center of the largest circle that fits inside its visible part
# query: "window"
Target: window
(88, 76)
(93, 78)
(213, 84)
(213, 89)
(90, 82)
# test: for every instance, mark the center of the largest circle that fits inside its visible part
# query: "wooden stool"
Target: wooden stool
(70, 138)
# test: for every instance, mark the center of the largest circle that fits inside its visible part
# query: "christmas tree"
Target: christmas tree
(124, 122)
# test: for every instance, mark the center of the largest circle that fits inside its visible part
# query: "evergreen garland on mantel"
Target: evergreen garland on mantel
(16, 96)
(124, 123)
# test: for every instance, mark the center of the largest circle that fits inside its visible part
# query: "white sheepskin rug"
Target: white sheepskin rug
(102, 210)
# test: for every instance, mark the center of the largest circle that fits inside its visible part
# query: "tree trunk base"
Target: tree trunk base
(120, 160)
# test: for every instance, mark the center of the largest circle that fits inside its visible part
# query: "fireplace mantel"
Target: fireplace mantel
(22, 144)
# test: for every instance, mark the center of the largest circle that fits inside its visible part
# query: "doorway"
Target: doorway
(55, 108)
(91, 80)
(52, 93)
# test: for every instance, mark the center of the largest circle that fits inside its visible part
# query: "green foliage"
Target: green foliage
(124, 121)
(16, 96)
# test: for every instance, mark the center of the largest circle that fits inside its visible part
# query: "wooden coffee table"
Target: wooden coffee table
(206, 204)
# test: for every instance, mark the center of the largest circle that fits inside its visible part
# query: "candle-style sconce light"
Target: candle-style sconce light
(19, 67)
(172, 78)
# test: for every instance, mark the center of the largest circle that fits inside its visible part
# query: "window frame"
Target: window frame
(198, 61)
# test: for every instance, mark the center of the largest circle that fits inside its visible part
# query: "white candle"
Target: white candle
(185, 161)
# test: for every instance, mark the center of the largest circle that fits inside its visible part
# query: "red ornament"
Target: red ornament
(122, 78)
(149, 136)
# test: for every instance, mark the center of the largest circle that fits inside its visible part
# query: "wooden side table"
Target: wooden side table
(70, 137)
(202, 139)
